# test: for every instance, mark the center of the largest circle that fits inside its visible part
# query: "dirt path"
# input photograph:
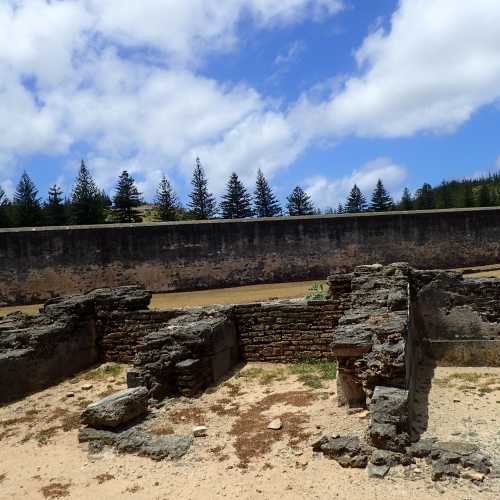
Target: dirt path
(235, 295)
(240, 458)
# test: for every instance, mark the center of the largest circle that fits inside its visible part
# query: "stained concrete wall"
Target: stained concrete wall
(36, 264)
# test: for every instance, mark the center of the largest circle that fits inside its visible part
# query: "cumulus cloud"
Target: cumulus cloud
(330, 192)
(434, 67)
(65, 82)
(184, 30)
(128, 84)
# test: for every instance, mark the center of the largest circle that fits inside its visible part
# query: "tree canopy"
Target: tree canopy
(236, 202)
(299, 202)
(265, 202)
(381, 200)
(54, 208)
(166, 201)
(87, 205)
(202, 203)
(126, 199)
(27, 206)
(356, 202)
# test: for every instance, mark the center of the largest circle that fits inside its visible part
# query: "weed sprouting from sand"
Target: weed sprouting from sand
(104, 372)
(312, 373)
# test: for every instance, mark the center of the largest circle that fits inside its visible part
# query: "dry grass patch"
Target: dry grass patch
(133, 489)
(102, 478)
(483, 383)
(45, 435)
(233, 389)
(192, 415)
(55, 490)
(225, 407)
(313, 373)
(252, 437)
(264, 376)
(162, 429)
(217, 451)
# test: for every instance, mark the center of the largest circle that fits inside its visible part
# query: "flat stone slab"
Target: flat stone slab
(137, 442)
(116, 410)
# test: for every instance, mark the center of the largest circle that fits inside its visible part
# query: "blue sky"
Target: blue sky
(321, 93)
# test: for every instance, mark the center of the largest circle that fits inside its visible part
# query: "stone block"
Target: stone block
(116, 410)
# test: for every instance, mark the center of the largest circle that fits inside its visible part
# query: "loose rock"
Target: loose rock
(275, 425)
(199, 431)
(117, 409)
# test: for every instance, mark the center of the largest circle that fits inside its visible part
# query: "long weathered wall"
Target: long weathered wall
(36, 264)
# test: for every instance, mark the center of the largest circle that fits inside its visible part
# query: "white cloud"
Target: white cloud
(330, 192)
(184, 30)
(263, 140)
(65, 82)
(438, 64)
(498, 161)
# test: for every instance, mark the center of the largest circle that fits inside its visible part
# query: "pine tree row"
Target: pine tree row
(88, 204)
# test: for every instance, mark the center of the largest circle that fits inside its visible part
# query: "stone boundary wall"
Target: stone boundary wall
(276, 331)
(286, 331)
(39, 263)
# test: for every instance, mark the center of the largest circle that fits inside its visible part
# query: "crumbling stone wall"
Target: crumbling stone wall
(370, 340)
(38, 351)
(382, 321)
(121, 331)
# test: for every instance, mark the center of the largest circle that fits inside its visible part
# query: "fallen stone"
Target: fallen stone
(422, 448)
(157, 448)
(347, 451)
(117, 409)
(89, 435)
(199, 431)
(86, 387)
(441, 470)
(316, 445)
(385, 457)
(378, 471)
(275, 425)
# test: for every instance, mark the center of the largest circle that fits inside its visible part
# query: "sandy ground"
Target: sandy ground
(235, 295)
(463, 404)
(239, 458)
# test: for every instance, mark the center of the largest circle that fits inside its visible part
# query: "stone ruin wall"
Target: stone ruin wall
(379, 323)
(383, 323)
(37, 264)
(72, 334)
